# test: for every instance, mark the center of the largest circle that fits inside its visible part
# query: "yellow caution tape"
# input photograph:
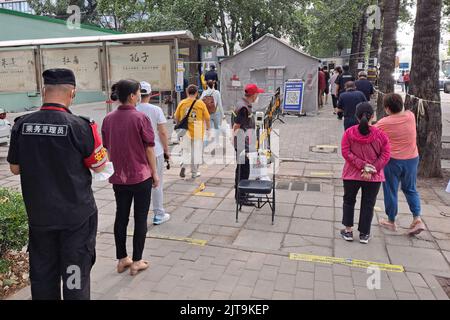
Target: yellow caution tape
(200, 188)
(347, 262)
(205, 194)
(198, 242)
(321, 173)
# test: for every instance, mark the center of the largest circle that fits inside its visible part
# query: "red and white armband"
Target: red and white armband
(99, 155)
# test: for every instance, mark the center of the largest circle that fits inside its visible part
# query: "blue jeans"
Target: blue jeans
(215, 120)
(404, 172)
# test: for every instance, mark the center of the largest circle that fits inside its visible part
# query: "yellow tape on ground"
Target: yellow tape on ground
(321, 173)
(197, 242)
(205, 194)
(378, 209)
(347, 262)
(200, 188)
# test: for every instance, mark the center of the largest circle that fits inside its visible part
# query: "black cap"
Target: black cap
(59, 76)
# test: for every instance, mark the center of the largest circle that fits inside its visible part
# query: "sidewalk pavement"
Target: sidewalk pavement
(202, 253)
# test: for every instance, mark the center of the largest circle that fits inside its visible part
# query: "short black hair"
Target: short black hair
(325, 68)
(346, 67)
(192, 89)
(393, 102)
(123, 89)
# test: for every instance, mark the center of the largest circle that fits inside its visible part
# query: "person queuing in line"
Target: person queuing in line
(159, 125)
(198, 120)
(401, 80)
(327, 83)
(341, 80)
(366, 151)
(211, 75)
(322, 86)
(333, 88)
(213, 101)
(54, 151)
(407, 80)
(364, 85)
(347, 103)
(129, 138)
(400, 126)
(243, 128)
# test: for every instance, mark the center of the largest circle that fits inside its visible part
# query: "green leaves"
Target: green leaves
(13, 221)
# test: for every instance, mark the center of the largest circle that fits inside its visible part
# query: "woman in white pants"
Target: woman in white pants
(158, 121)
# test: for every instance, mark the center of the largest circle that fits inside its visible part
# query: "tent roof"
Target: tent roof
(269, 35)
(165, 35)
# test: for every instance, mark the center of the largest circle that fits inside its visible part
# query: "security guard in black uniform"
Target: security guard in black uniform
(53, 150)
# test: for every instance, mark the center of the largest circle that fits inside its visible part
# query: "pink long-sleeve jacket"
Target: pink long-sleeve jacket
(359, 150)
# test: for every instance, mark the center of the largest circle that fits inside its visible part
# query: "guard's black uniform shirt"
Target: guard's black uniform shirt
(54, 150)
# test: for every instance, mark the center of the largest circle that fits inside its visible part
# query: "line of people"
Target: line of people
(57, 153)
(384, 153)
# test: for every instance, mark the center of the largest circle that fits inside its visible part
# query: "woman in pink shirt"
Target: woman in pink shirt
(366, 151)
(129, 138)
(400, 126)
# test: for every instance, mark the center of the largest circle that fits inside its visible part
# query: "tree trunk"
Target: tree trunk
(362, 41)
(388, 51)
(376, 37)
(424, 84)
(223, 29)
(355, 46)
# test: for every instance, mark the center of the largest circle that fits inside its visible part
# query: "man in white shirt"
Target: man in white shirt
(158, 121)
(216, 117)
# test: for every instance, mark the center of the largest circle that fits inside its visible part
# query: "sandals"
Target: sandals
(141, 266)
(122, 266)
(416, 227)
(392, 226)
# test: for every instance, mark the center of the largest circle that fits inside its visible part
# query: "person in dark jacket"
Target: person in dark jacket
(212, 75)
(347, 104)
(364, 85)
(341, 80)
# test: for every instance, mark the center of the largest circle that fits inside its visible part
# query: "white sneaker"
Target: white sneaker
(157, 220)
(196, 175)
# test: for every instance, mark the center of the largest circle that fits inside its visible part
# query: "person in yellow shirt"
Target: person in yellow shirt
(197, 121)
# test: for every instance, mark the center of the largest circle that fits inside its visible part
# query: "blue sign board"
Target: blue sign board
(293, 96)
(403, 65)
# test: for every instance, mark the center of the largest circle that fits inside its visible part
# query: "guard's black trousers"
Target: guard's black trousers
(242, 173)
(66, 255)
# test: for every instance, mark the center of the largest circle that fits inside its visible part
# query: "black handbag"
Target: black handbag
(184, 123)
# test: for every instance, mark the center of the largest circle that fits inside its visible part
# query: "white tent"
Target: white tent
(269, 62)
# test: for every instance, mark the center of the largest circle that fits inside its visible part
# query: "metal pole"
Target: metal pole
(39, 69)
(177, 56)
(106, 77)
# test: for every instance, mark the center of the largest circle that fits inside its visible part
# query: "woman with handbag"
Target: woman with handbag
(192, 117)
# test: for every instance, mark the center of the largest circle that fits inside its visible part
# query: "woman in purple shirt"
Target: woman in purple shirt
(128, 136)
